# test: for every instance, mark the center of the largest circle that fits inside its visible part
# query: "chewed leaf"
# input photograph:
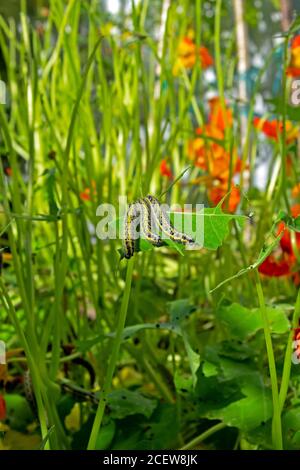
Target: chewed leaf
(208, 228)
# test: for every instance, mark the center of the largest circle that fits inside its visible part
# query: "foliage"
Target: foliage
(175, 347)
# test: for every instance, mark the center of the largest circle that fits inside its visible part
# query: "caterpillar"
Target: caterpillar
(129, 239)
(163, 222)
(149, 214)
(147, 222)
(138, 210)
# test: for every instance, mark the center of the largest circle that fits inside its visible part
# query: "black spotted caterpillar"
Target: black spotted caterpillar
(147, 215)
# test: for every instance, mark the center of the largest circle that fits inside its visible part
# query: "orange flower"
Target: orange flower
(283, 266)
(286, 242)
(273, 129)
(187, 53)
(85, 195)
(293, 69)
(219, 117)
(165, 169)
(203, 149)
(273, 267)
(210, 155)
(296, 191)
(216, 193)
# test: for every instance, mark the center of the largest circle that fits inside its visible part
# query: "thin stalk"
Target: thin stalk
(218, 59)
(197, 440)
(288, 353)
(283, 146)
(113, 358)
(276, 423)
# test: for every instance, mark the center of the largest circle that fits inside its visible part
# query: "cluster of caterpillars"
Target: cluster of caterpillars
(147, 217)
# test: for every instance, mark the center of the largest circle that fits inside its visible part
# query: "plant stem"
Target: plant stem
(283, 149)
(197, 440)
(287, 359)
(276, 423)
(113, 358)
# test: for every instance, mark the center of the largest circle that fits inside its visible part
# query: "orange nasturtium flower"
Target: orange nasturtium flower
(296, 191)
(208, 153)
(293, 70)
(218, 117)
(165, 169)
(283, 265)
(187, 53)
(274, 128)
(216, 194)
(273, 267)
(85, 195)
(286, 242)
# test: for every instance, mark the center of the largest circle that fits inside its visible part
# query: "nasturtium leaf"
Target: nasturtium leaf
(238, 369)
(248, 412)
(208, 227)
(242, 322)
(215, 392)
(124, 402)
(163, 427)
(290, 428)
(183, 383)
(160, 431)
(216, 226)
(179, 310)
(209, 369)
(128, 438)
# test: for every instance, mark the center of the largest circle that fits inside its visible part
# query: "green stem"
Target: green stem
(283, 185)
(287, 359)
(197, 440)
(113, 358)
(276, 423)
(218, 57)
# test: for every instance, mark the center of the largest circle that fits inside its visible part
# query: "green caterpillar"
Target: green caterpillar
(129, 239)
(150, 216)
(147, 223)
(163, 222)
